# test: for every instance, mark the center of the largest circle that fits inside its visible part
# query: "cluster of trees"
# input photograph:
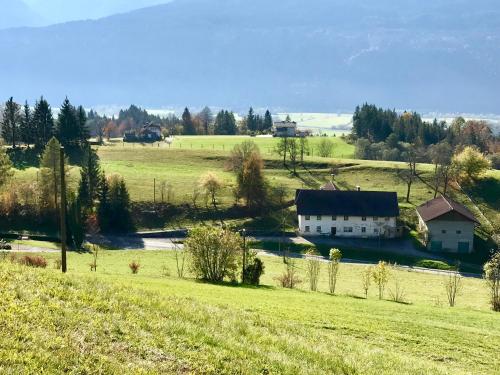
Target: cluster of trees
(202, 123)
(386, 135)
(23, 125)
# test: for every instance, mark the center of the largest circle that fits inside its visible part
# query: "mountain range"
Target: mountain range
(297, 55)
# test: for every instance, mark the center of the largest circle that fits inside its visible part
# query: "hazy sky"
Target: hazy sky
(68, 10)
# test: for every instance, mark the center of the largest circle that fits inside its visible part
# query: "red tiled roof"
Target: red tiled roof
(438, 207)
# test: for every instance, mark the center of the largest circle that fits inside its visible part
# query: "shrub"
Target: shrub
(434, 264)
(33, 261)
(57, 264)
(333, 268)
(380, 275)
(289, 278)
(313, 261)
(492, 276)
(134, 267)
(325, 148)
(453, 286)
(254, 271)
(213, 253)
(398, 293)
(366, 279)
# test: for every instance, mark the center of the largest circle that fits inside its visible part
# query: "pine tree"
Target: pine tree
(90, 177)
(83, 131)
(26, 127)
(187, 123)
(43, 123)
(76, 221)
(11, 122)
(251, 121)
(104, 209)
(68, 131)
(268, 122)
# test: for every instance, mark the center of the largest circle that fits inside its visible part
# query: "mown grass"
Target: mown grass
(112, 321)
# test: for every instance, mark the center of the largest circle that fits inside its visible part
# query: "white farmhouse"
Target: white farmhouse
(354, 214)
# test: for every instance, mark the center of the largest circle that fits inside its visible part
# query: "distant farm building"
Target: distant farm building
(147, 134)
(447, 226)
(354, 214)
(285, 129)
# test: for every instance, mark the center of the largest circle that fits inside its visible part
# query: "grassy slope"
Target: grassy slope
(116, 322)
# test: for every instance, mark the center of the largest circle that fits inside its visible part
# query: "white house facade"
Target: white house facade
(352, 214)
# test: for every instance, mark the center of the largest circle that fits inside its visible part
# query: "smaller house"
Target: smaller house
(447, 225)
(285, 129)
(353, 214)
(147, 134)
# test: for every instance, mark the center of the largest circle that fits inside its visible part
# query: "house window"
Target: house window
(363, 218)
(334, 218)
(459, 232)
(387, 218)
(318, 229)
(363, 229)
(308, 228)
(308, 217)
(375, 218)
(347, 229)
(443, 231)
(318, 217)
(375, 230)
(346, 218)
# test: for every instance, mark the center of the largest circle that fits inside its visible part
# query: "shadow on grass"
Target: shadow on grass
(229, 284)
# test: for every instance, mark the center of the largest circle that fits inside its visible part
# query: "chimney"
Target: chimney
(358, 188)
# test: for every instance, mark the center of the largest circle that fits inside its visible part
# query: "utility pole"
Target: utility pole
(63, 212)
(243, 233)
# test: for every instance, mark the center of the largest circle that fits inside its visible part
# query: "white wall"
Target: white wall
(326, 223)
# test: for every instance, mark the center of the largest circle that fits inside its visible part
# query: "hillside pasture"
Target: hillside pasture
(112, 321)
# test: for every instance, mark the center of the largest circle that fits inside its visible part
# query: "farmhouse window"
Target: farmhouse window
(375, 230)
(347, 229)
(363, 229)
(375, 218)
(318, 229)
(363, 218)
(334, 218)
(308, 228)
(459, 232)
(318, 217)
(346, 218)
(387, 218)
(443, 231)
(308, 217)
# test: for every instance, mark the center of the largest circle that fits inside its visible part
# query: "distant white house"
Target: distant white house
(285, 129)
(354, 214)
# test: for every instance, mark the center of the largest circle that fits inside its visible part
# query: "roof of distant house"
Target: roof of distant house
(347, 203)
(329, 186)
(285, 124)
(436, 208)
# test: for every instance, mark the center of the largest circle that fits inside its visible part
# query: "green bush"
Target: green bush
(434, 264)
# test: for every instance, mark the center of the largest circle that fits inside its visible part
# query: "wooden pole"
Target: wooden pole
(63, 212)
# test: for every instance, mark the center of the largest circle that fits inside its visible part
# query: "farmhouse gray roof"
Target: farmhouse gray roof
(436, 208)
(347, 203)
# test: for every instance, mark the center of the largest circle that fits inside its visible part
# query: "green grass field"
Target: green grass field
(112, 321)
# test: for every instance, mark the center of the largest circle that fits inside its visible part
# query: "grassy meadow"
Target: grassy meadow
(112, 321)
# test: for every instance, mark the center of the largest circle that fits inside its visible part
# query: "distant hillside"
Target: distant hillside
(294, 55)
(15, 13)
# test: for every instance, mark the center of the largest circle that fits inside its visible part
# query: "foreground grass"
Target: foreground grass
(113, 321)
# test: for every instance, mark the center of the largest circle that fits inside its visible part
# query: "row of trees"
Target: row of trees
(23, 125)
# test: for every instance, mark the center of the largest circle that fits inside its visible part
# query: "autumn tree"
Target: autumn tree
(440, 155)
(471, 163)
(333, 268)
(211, 185)
(325, 148)
(247, 164)
(492, 277)
(293, 153)
(5, 167)
(380, 276)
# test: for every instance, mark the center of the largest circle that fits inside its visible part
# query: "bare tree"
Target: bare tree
(492, 276)
(366, 279)
(333, 268)
(453, 286)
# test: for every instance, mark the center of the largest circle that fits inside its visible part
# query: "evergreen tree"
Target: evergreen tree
(83, 131)
(68, 130)
(104, 208)
(90, 178)
(10, 122)
(76, 221)
(251, 121)
(187, 123)
(43, 123)
(268, 122)
(225, 124)
(26, 129)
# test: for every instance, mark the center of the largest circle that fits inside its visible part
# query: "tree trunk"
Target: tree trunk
(408, 191)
